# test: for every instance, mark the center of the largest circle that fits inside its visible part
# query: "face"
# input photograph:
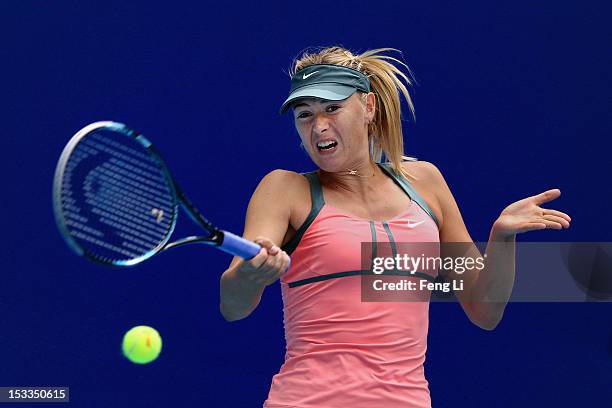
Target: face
(335, 133)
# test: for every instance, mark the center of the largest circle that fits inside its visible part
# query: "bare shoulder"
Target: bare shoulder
(285, 194)
(429, 184)
(281, 183)
(279, 176)
(423, 170)
(271, 206)
(285, 188)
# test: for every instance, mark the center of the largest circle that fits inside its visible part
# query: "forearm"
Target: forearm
(495, 282)
(239, 297)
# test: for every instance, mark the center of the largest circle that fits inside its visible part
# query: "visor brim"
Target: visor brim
(330, 92)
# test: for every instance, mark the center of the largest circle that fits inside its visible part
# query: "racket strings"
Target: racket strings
(114, 191)
(105, 245)
(113, 146)
(124, 173)
(115, 198)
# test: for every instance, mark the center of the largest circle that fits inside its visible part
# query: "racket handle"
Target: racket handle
(235, 245)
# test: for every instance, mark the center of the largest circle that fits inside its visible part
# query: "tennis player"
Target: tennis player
(341, 351)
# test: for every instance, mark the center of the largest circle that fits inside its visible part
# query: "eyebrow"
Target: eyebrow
(321, 101)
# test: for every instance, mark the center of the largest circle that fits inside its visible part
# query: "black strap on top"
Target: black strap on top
(408, 189)
(316, 199)
(317, 202)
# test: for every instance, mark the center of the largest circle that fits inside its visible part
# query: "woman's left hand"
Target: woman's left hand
(527, 215)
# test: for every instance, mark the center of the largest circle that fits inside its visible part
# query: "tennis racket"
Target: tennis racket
(115, 201)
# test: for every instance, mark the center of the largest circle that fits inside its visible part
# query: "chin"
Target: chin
(329, 165)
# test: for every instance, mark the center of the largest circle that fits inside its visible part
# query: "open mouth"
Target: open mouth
(326, 145)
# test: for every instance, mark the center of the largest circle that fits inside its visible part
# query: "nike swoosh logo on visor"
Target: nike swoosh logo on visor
(305, 76)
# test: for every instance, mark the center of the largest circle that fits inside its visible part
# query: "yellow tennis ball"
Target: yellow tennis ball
(141, 344)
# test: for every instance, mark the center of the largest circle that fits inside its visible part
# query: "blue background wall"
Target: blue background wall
(513, 99)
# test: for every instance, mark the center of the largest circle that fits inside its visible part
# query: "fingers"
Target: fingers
(258, 260)
(557, 220)
(547, 196)
(278, 261)
(268, 265)
(557, 213)
(551, 218)
(547, 221)
(269, 245)
(551, 224)
(531, 226)
(272, 269)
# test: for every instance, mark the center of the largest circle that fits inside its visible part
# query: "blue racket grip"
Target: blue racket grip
(235, 245)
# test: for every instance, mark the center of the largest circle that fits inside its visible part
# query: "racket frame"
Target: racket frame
(216, 237)
(58, 183)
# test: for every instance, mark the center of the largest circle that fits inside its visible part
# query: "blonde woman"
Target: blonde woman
(342, 351)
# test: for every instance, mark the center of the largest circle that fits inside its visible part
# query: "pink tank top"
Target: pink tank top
(341, 351)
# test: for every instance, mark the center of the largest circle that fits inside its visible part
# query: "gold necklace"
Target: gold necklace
(356, 173)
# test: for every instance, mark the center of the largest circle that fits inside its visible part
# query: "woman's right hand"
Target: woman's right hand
(265, 267)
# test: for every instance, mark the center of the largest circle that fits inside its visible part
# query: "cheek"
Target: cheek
(303, 140)
(302, 135)
(355, 129)
(302, 129)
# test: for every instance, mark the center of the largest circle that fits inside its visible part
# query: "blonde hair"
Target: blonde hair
(385, 132)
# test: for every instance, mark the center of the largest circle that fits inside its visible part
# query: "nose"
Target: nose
(321, 123)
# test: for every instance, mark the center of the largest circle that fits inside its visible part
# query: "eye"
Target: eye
(332, 108)
(302, 115)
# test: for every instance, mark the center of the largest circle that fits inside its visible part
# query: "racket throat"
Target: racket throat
(211, 240)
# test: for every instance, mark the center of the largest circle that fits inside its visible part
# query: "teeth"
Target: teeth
(326, 143)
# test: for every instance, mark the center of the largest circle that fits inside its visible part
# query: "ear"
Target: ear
(370, 106)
